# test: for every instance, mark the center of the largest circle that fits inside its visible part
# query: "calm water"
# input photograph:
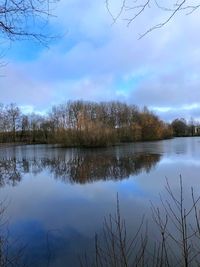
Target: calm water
(57, 198)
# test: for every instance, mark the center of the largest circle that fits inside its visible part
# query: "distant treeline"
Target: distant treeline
(183, 128)
(81, 123)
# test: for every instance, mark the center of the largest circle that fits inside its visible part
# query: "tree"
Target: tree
(179, 127)
(25, 127)
(22, 19)
(132, 10)
(13, 115)
(191, 126)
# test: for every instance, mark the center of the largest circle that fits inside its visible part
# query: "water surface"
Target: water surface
(57, 198)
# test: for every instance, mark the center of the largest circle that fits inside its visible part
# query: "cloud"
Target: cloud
(169, 89)
(20, 88)
(187, 112)
(99, 61)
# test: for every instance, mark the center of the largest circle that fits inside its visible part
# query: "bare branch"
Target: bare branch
(136, 8)
(25, 19)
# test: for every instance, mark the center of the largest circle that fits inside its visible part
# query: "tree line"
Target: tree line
(183, 128)
(87, 124)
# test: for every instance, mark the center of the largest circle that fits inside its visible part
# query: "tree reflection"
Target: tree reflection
(10, 173)
(78, 167)
(89, 168)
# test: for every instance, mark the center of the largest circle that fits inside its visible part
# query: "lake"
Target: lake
(56, 199)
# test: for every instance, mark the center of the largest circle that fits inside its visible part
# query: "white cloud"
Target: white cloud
(94, 59)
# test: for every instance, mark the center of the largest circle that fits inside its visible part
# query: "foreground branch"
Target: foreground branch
(175, 243)
(25, 19)
(137, 8)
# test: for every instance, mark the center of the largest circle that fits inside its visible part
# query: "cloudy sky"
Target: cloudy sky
(96, 60)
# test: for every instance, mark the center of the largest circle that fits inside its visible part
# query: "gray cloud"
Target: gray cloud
(94, 59)
(188, 113)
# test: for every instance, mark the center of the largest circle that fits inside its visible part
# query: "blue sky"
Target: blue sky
(96, 60)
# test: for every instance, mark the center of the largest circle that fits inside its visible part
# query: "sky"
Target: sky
(97, 60)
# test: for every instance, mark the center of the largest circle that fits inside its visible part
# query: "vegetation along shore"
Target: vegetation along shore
(88, 124)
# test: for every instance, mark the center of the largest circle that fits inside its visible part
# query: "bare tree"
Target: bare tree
(175, 240)
(13, 116)
(130, 11)
(24, 19)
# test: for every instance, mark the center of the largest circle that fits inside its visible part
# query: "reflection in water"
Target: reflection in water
(67, 224)
(78, 167)
(40, 207)
(10, 172)
(89, 168)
